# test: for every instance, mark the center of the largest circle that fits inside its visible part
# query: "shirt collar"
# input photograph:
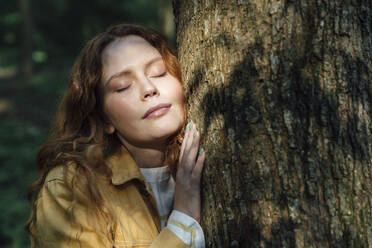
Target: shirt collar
(123, 167)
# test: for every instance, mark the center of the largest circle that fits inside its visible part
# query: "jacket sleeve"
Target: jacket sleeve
(167, 238)
(186, 228)
(54, 226)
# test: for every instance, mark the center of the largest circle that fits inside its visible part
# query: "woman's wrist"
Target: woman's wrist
(189, 213)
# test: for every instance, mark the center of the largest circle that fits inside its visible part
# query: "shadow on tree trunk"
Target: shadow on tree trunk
(298, 100)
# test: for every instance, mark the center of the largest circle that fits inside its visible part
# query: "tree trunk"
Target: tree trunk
(166, 17)
(281, 92)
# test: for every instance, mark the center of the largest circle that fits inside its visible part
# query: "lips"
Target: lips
(155, 108)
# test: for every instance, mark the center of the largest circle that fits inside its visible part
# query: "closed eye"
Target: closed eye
(122, 89)
(160, 75)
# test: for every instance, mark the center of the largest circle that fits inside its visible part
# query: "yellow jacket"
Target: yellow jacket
(132, 201)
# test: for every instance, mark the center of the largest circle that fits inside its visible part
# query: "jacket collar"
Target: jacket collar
(123, 167)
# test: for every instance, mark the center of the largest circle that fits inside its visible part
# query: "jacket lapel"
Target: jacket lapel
(125, 169)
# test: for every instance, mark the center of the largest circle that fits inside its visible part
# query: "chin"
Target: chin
(165, 134)
(167, 130)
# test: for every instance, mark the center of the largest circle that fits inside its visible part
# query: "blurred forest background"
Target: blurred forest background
(39, 41)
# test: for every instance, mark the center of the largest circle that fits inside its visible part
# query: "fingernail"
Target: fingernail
(188, 126)
(201, 150)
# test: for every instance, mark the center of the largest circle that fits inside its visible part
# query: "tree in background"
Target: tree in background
(281, 92)
(38, 33)
(167, 19)
(26, 62)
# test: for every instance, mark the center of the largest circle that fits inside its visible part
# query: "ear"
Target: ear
(109, 129)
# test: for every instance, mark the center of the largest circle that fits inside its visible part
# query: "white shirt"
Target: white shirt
(181, 224)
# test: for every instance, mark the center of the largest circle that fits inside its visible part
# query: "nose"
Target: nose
(149, 90)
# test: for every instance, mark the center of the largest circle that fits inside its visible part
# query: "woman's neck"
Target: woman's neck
(147, 157)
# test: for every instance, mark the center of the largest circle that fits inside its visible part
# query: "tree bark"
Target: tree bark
(281, 92)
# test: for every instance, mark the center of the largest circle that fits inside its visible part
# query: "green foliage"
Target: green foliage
(25, 122)
(19, 143)
(11, 18)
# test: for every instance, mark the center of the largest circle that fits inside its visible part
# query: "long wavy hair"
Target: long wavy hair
(78, 134)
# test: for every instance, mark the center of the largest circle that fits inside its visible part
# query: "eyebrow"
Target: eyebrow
(128, 71)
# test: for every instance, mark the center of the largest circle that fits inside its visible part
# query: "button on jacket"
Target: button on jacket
(131, 200)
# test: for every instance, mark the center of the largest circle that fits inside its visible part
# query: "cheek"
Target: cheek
(180, 95)
(117, 110)
(176, 90)
(179, 98)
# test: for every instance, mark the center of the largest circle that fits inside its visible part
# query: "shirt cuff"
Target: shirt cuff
(187, 229)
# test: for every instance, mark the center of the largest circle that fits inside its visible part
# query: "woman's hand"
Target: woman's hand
(190, 166)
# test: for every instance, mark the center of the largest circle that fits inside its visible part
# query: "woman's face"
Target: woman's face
(134, 80)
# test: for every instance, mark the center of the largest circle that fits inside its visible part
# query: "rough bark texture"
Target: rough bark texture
(281, 92)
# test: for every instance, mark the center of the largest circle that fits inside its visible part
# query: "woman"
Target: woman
(107, 173)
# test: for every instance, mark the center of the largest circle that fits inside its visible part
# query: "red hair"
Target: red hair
(78, 134)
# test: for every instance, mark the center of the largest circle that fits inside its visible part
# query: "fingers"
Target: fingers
(189, 149)
(189, 138)
(191, 146)
(184, 143)
(196, 173)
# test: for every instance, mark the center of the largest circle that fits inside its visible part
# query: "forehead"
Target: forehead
(125, 52)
